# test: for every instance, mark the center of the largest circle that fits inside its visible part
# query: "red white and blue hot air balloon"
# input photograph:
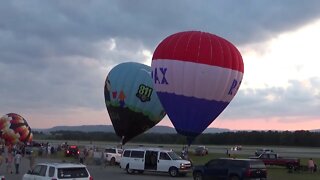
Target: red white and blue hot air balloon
(196, 75)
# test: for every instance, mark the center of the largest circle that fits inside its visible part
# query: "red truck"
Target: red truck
(274, 159)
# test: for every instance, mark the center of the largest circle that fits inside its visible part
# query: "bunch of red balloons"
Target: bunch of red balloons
(14, 129)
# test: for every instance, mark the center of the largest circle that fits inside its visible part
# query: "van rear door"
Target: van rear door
(137, 160)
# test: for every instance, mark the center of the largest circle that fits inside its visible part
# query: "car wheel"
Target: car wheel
(113, 161)
(173, 172)
(129, 171)
(197, 176)
(234, 178)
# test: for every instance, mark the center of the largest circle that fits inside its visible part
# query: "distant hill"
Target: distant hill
(83, 128)
(315, 130)
(109, 128)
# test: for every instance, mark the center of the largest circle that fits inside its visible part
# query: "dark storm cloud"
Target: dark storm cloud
(56, 54)
(151, 21)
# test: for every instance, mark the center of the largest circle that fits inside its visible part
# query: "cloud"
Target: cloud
(55, 55)
(151, 21)
(300, 100)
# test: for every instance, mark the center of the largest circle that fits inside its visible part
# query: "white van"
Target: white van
(154, 159)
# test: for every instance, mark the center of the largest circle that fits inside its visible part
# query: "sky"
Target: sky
(55, 56)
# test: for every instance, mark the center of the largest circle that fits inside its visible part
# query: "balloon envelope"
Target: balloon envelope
(132, 104)
(14, 128)
(196, 75)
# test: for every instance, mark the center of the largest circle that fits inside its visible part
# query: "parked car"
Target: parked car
(261, 151)
(65, 171)
(229, 168)
(236, 148)
(72, 151)
(201, 151)
(113, 155)
(155, 160)
(274, 159)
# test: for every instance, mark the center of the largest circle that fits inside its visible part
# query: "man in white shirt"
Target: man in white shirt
(17, 161)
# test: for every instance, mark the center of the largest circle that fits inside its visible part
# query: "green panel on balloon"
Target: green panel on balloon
(132, 103)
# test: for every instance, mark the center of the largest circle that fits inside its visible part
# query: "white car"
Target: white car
(261, 151)
(113, 155)
(65, 171)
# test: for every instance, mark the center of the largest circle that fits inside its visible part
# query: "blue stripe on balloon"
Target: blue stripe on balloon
(189, 115)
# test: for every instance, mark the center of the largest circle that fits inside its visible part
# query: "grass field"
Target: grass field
(274, 172)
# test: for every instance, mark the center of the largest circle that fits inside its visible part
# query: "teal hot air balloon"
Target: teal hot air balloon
(131, 101)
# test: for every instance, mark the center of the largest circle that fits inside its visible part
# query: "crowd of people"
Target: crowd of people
(11, 156)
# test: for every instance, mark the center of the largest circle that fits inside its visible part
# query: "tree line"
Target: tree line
(268, 138)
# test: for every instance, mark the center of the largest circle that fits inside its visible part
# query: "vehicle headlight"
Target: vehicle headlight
(182, 165)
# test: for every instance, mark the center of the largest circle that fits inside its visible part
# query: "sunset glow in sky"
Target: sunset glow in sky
(54, 63)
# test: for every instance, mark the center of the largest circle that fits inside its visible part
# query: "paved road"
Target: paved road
(114, 172)
(300, 152)
(98, 172)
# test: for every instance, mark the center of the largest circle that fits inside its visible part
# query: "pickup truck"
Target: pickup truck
(274, 159)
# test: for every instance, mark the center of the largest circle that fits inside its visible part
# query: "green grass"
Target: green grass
(274, 172)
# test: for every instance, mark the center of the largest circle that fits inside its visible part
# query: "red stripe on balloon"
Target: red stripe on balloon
(200, 47)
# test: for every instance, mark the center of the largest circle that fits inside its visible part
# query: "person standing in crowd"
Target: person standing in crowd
(5, 151)
(52, 151)
(1, 159)
(48, 149)
(104, 161)
(90, 156)
(82, 157)
(17, 161)
(31, 160)
(23, 150)
(311, 165)
(9, 161)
